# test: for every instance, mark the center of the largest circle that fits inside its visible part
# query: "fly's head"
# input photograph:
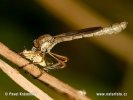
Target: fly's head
(43, 43)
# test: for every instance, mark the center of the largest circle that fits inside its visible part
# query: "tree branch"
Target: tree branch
(53, 82)
(23, 82)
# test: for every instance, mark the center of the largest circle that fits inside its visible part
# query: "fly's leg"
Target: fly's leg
(62, 58)
(53, 66)
(59, 64)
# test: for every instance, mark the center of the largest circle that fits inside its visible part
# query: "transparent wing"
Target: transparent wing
(76, 34)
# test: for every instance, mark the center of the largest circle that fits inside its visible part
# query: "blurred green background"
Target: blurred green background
(92, 66)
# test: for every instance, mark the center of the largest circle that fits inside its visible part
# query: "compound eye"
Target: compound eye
(36, 44)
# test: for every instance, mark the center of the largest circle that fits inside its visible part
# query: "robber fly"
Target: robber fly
(44, 44)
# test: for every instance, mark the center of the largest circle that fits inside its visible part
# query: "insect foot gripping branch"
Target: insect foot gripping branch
(44, 44)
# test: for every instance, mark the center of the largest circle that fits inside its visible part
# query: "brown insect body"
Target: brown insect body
(44, 43)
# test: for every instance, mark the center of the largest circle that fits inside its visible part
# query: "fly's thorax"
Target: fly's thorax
(45, 46)
(42, 41)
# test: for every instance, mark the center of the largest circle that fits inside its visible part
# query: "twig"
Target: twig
(45, 77)
(23, 82)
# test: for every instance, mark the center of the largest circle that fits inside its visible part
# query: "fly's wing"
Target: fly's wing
(87, 32)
